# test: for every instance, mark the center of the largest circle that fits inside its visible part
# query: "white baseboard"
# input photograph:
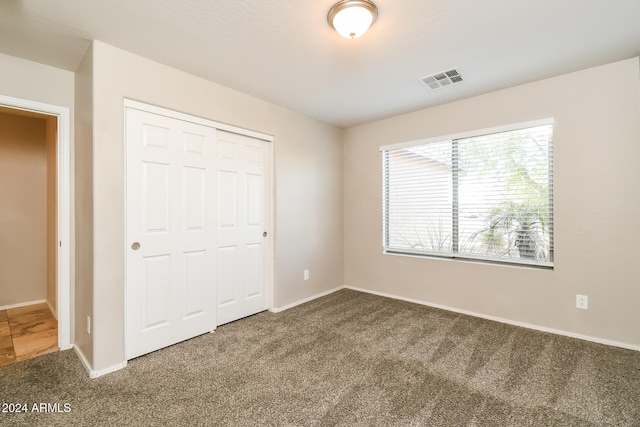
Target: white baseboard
(22, 304)
(502, 320)
(93, 373)
(83, 359)
(311, 298)
(96, 374)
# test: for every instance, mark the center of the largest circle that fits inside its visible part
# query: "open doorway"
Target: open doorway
(35, 227)
(28, 301)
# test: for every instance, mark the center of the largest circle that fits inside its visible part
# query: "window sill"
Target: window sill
(536, 265)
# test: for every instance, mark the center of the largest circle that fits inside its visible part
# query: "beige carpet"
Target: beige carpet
(348, 359)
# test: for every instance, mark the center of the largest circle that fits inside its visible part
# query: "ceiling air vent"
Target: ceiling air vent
(441, 79)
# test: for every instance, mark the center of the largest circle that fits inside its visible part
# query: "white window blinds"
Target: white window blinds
(487, 196)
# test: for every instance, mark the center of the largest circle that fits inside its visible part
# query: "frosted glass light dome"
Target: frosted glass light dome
(352, 18)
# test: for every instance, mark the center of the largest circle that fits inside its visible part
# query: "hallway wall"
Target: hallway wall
(23, 210)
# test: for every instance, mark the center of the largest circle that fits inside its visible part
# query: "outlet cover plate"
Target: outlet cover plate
(582, 302)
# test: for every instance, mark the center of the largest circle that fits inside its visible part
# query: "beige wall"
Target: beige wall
(36, 82)
(597, 207)
(40, 83)
(23, 209)
(308, 181)
(83, 295)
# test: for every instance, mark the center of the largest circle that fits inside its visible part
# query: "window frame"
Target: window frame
(454, 255)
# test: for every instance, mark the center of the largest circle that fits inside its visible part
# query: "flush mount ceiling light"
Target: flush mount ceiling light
(352, 18)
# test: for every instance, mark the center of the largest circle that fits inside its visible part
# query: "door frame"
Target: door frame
(63, 201)
(137, 105)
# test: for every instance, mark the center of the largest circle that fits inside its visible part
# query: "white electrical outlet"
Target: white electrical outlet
(89, 325)
(306, 275)
(582, 302)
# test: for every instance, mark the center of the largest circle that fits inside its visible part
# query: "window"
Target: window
(482, 196)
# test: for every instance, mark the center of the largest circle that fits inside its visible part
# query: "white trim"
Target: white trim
(96, 374)
(302, 301)
(469, 134)
(129, 103)
(503, 320)
(93, 373)
(477, 259)
(63, 172)
(271, 261)
(83, 359)
(23, 304)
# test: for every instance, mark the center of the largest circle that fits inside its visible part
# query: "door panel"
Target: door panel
(156, 288)
(254, 269)
(171, 213)
(227, 189)
(195, 282)
(155, 182)
(228, 275)
(194, 195)
(243, 168)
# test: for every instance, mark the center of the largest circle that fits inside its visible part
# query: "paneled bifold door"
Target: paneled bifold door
(196, 197)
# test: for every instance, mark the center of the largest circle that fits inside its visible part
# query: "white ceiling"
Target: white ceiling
(283, 51)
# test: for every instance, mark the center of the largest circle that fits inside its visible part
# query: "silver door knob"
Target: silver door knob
(264, 234)
(135, 246)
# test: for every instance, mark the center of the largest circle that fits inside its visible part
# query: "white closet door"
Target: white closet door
(243, 206)
(170, 231)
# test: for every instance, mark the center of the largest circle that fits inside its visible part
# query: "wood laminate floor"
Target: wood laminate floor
(27, 332)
